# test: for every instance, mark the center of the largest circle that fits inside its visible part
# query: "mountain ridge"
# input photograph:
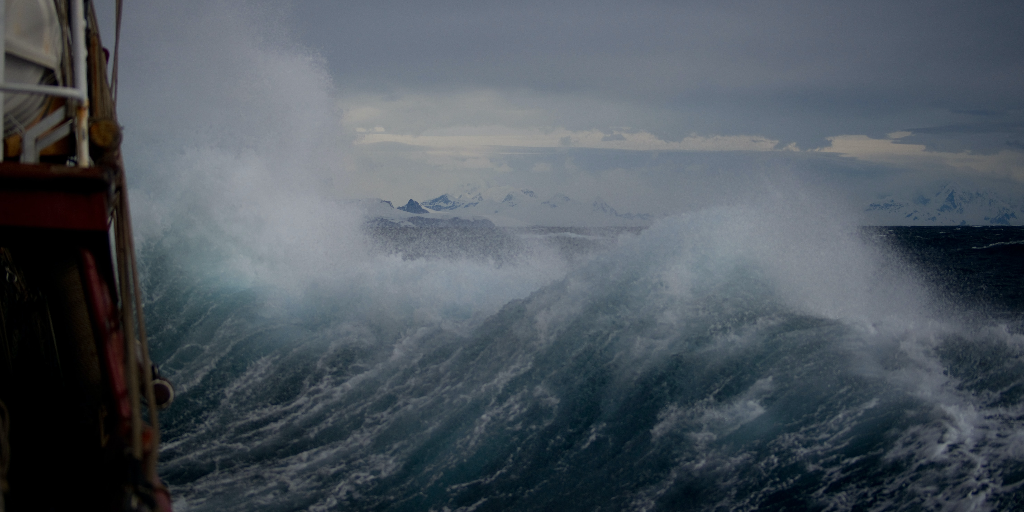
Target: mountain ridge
(944, 204)
(524, 207)
(947, 204)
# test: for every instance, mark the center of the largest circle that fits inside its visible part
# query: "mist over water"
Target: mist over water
(760, 354)
(237, 163)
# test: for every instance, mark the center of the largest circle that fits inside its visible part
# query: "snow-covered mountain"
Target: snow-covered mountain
(412, 207)
(445, 203)
(943, 204)
(950, 204)
(515, 209)
(526, 208)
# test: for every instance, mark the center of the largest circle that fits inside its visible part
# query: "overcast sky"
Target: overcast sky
(632, 101)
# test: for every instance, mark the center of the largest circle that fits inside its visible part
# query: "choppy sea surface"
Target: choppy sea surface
(709, 362)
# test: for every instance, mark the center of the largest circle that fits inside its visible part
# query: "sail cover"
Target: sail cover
(33, 55)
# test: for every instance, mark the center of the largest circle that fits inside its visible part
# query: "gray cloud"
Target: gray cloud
(789, 69)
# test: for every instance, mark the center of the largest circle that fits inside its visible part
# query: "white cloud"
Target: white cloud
(1005, 164)
(480, 119)
(496, 137)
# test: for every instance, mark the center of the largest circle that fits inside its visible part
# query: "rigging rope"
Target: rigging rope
(117, 45)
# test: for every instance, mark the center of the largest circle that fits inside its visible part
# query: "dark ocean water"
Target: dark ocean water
(705, 363)
(977, 267)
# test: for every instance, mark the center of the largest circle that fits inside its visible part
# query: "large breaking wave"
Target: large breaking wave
(715, 360)
(762, 356)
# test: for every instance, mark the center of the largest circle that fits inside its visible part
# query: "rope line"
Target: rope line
(117, 46)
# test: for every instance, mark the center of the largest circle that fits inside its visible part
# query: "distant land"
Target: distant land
(518, 208)
(943, 205)
(950, 205)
